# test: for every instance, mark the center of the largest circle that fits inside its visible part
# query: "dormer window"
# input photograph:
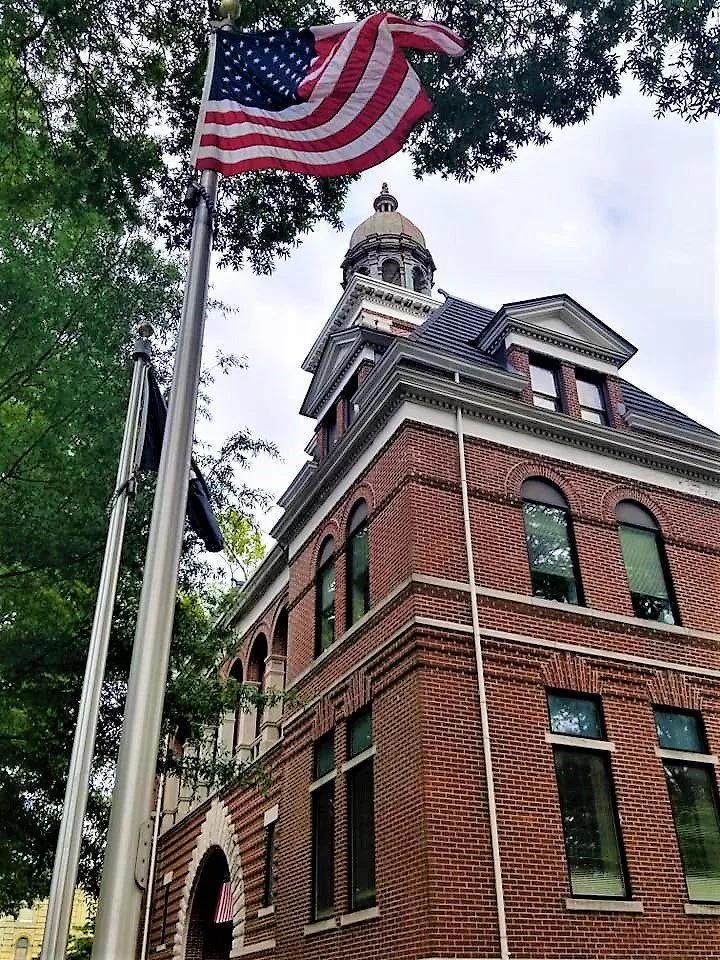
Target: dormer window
(545, 384)
(591, 395)
(330, 427)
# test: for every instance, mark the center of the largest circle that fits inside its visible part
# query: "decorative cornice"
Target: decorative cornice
(666, 429)
(400, 377)
(417, 306)
(520, 318)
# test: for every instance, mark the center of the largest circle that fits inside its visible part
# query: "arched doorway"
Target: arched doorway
(208, 939)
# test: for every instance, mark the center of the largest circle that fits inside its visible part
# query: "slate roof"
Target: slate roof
(456, 323)
(640, 402)
(451, 328)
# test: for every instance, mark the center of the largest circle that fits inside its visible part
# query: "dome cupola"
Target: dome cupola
(388, 246)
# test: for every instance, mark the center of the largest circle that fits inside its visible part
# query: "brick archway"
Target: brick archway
(217, 833)
(206, 939)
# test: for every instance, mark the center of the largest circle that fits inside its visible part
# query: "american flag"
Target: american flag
(224, 908)
(326, 101)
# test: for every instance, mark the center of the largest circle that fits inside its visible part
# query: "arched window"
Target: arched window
(325, 598)
(256, 673)
(358, 564)
(236, 672)
(391, 271)
(280, 639)
(645, 563)
(419, 280)
(551, 550)
(22, 945)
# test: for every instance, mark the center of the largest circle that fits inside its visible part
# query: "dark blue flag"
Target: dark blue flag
(199, 512)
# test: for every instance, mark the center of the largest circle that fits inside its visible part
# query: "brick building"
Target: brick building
(494, 593)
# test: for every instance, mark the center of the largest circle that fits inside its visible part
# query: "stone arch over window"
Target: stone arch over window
(646, 563)
(612, 497)
(256, 672)
(554, 569)
(391, 271)
(217, 833)
(325, 597)
(357, 584)
(532, 470)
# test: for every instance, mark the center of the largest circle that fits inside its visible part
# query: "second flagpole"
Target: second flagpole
(121, 890)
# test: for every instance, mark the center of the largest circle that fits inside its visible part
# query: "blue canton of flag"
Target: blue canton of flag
(262, 70)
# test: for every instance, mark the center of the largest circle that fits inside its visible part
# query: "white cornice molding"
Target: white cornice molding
(370, 293)
(673, 431)
(533, 319)
(399, 377)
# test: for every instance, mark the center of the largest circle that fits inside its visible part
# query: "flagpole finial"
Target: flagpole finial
(142, 347)
(145, 330)
(229, 10)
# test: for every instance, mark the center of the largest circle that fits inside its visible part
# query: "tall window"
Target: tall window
(236, 672)
(591, 395)
(361, 811)
(323, 828)
(645, 564)
(544, 383)
(22, 945)
(269, 886)
(694, 800)
(587, 802)
(358, 564)
(256, 673)
(551, 551)
(325, 602)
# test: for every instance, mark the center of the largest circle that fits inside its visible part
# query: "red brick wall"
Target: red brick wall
(434, 871)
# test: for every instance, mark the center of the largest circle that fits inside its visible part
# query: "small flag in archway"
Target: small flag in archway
(223, 910)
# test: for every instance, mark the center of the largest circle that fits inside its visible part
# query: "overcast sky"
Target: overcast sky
(621, 213)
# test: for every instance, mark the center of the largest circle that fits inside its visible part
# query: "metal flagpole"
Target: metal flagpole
(67, 855)
(126, 854)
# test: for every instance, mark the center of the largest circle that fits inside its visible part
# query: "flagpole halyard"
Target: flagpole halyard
(120, 900)
(67, 855)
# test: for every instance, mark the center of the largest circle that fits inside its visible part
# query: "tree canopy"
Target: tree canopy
(73, 284)
(117, 85)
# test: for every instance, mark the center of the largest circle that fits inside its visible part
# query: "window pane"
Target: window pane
(694, 806)
(549, 552)
(547, 403)
(645, 574)
(358, 575)
(680, 731)
(326, 607)
(589, 394)
(362, 837)
(574, 716)
(593, 416)
(543, 380)
(269, 891)
(360, 733)
(323, 851)
(592, 841)
(324, 756)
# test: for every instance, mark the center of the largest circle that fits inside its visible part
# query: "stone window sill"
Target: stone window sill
(605, 906)
(358, 916)
(702, 909)
(319, 926)
(266, 911)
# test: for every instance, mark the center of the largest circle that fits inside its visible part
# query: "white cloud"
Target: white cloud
(621, 213)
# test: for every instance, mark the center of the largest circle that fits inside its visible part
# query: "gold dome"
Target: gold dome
(386, 221)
